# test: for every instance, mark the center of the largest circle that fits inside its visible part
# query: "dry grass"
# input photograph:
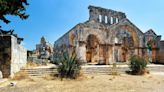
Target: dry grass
(114, 70)
(31, 64)
(49, 77)
(92, 83)
(21, 76)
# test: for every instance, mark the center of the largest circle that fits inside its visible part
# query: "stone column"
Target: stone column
(119, 53)
(113, 55)
(109, 20)
(114, 20)
(110, 55)
(116, 53)
(93, 16)
(103, 18)
(81, 51)
(136, 51)
(154, 54)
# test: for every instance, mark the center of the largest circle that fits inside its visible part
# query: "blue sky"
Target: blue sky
(53, 18)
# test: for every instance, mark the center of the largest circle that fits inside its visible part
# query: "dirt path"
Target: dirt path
(96, 83)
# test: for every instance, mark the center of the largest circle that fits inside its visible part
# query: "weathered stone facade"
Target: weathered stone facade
(12, 55)
(107, 37)
(161, 52)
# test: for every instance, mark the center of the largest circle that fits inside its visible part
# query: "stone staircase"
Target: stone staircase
(40, 71)
(88, 69)
(103, 69)
(156, 68)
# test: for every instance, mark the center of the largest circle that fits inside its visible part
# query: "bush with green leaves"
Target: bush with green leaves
(69, 66)
(137, 65)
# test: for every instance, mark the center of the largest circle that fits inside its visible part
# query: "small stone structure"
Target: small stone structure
(44, 50)
(12, 55)
(107, 37)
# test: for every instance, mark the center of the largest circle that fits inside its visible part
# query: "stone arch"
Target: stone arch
(92, 47)
(92, 41)
(127, 51)
(133, 33)
(97, 33)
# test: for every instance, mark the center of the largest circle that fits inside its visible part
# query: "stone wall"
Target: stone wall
(103, 15)
(161, 52)
(44, 49)
(13, 56)
(5, 55)
(102, 38)
(18, 56)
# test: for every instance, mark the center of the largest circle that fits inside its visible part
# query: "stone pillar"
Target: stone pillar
(103, 18)
(93, 15)
(81, 51)
(110, 55)
(154, 55)
(113, 55)
(136, 51)
(114, 20)
(119, 53)
(109, 20)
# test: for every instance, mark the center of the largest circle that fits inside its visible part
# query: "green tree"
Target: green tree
(14, 8)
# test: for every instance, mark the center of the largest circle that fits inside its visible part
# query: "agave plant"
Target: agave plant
(69, 66)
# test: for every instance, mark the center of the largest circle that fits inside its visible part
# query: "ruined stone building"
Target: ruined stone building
(109, 36)
(13, 56)
(161, 52)
(44, 50)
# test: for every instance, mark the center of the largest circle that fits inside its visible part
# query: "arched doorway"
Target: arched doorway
(127, 48)
(129, 40)
(92, 47)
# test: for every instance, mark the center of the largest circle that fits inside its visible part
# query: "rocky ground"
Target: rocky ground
(90, 83)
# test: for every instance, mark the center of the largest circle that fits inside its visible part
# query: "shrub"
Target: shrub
(137, 65)
(114, 70)
(69, 66)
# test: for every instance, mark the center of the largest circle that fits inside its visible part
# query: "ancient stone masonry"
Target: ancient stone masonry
(42, 54)
(108, 37)
(12, 55)
(44, 50)
(103, 15)
(161, 52)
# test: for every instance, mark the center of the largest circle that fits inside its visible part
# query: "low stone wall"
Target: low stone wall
(5, 55)
(37, 61)
(42, 71)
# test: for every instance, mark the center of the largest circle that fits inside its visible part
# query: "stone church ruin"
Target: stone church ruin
(107, 37)
(13, 56)
(44, 50)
